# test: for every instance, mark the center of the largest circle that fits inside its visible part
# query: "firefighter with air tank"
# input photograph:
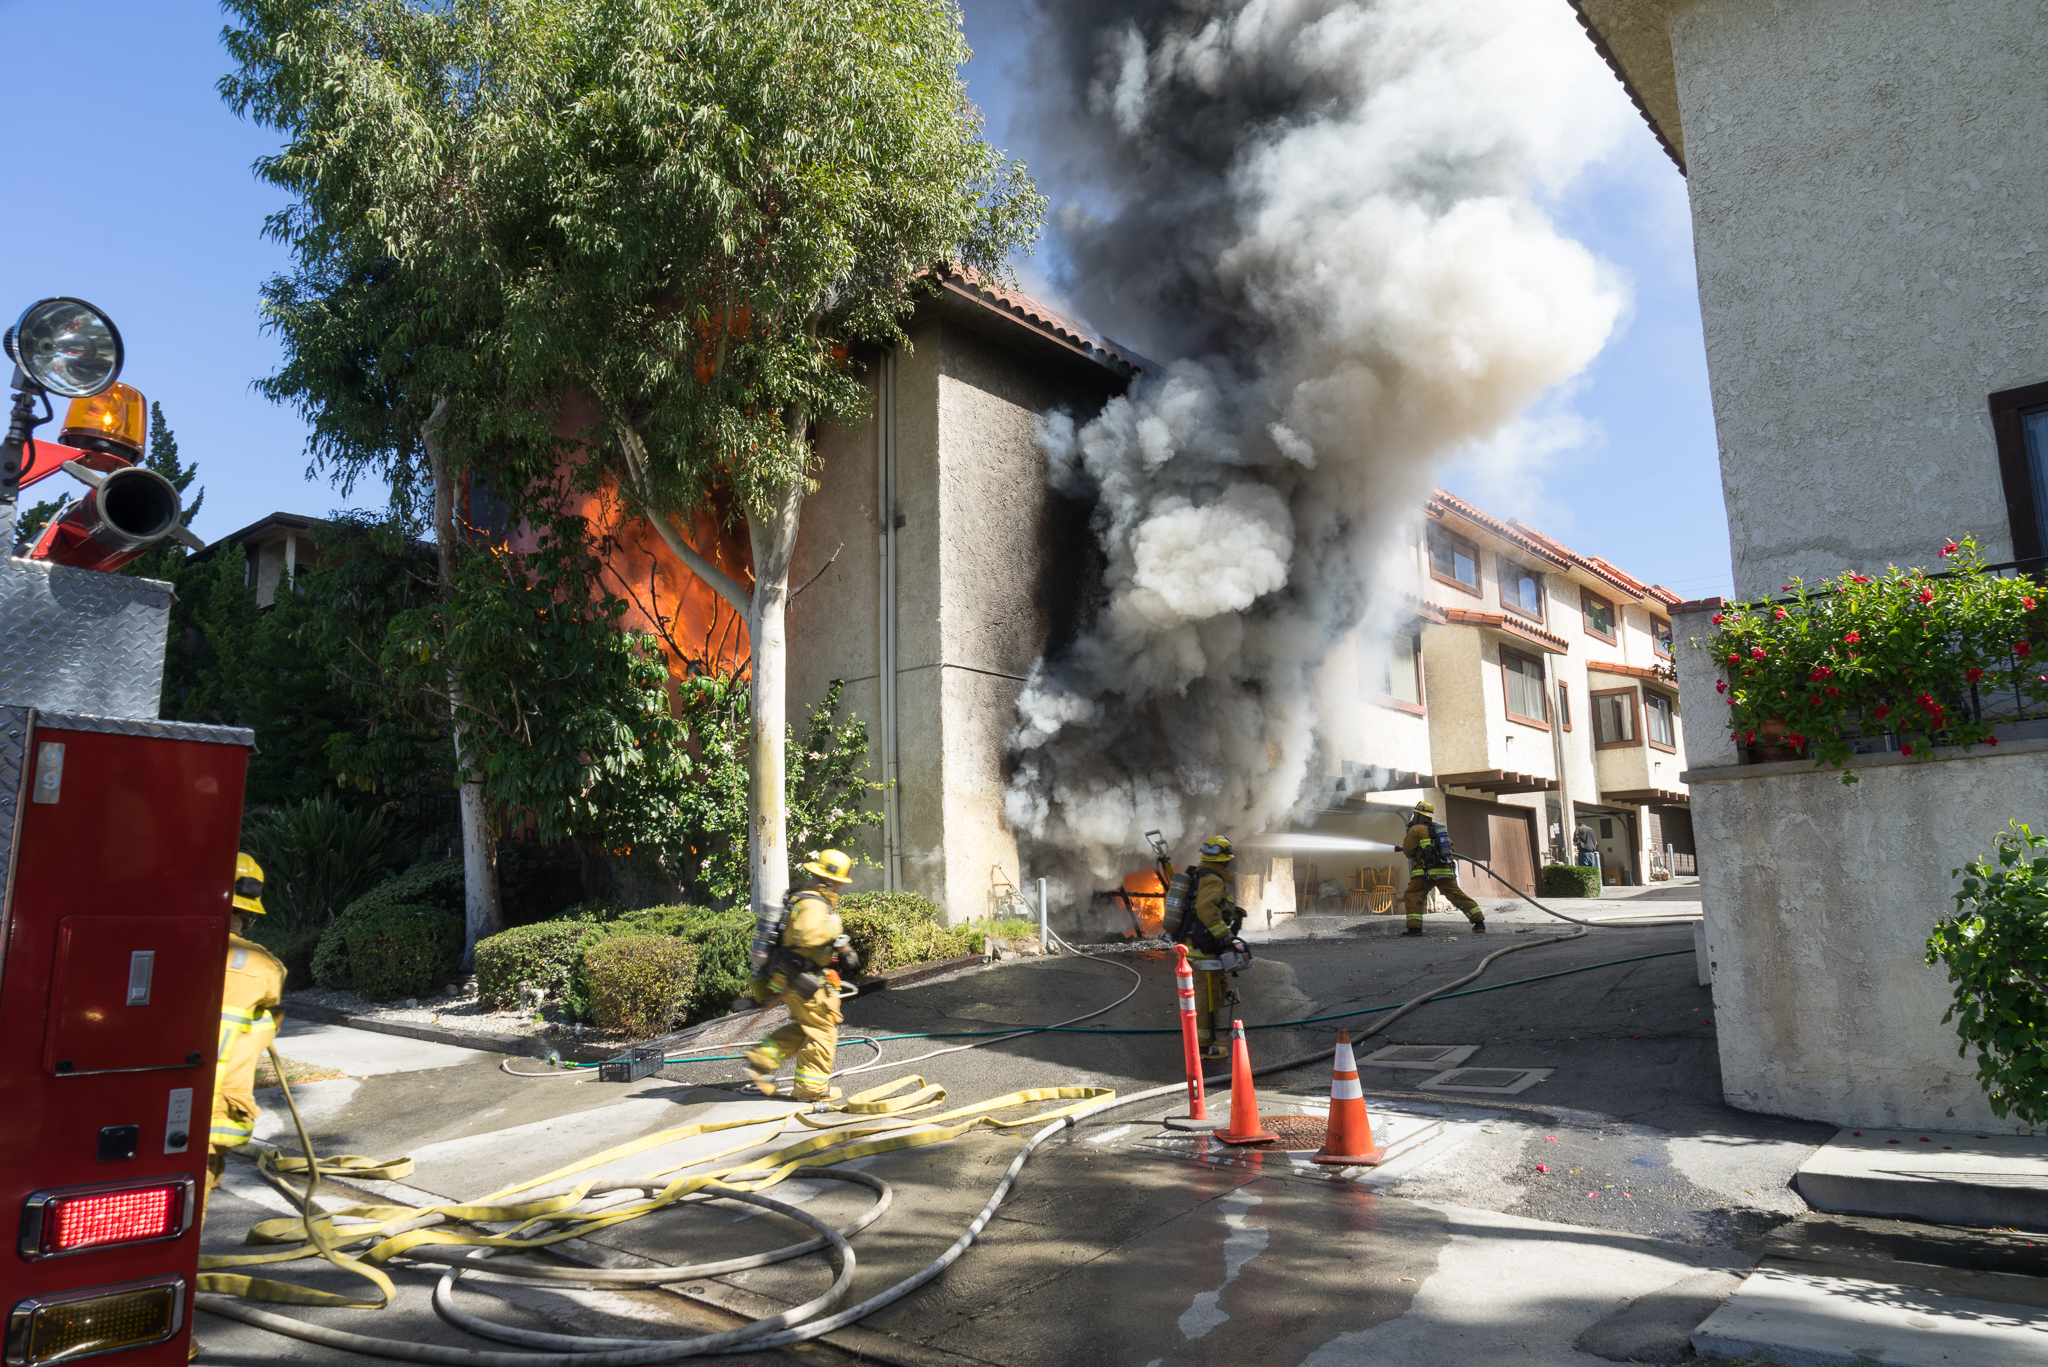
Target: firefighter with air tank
(795, 945)
(1432, 864)
(1202, 913)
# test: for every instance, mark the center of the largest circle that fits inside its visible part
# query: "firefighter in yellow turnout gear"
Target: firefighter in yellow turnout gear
(801, 974)
(1431, 864)
(248, 1024)
(1210, 934)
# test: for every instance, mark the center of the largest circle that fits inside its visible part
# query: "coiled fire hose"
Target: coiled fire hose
(421, 1233)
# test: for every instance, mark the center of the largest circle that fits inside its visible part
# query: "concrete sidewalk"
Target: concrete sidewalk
(1956, 1179)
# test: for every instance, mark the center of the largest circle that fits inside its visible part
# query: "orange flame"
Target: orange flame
(1147, 901)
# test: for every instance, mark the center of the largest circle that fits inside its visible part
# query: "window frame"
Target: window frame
(1502, 569)
(1418, 708)
(1477, 588)
(1564, 705)
(2015, 471)
(1662, 644)
(1670, 716)
(1586, 599)
(1634, 716)
(1507, 697)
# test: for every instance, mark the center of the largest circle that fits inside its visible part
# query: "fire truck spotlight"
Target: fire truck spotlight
(66, 346)
(56, 1223)
(106, 1319)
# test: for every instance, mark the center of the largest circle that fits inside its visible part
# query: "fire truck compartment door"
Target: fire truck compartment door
(127, 993)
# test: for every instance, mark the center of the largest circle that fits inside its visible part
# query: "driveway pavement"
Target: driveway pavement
(1529, 1222)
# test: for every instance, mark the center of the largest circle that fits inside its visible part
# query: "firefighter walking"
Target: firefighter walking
(800, 973)
(1432, 864)
(1210, 919)
(248, 1024)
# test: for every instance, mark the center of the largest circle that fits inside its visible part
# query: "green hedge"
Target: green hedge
(640, 985)
(293, 946)
(543, 954)
(407, 950)
(720, 938)
(437, 885)
(1570, 880)
(895, 929)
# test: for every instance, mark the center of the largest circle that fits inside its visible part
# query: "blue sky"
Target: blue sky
(142, 201)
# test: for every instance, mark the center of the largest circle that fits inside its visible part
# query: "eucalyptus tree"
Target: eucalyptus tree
(724, 202)
(390, 110)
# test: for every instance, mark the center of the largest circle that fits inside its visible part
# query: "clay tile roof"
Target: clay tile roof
(1441, 502)
(965, 283)
(1599, 569)
(1665, 596)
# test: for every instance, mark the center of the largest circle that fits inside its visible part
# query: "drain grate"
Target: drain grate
(1299, 1131)
(1499, 1081)
(1418, 1054)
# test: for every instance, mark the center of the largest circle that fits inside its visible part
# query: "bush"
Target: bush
(895, 929)
(402, 950)
(1570, 880)
(979, 933)
(438, 884)
(1995, 945)
(640, 985)
(318, 857)
(720, 940)
(543, 954)
(293, 946)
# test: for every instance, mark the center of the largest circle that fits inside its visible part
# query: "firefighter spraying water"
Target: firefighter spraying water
(1202, 913)
(1433, 863)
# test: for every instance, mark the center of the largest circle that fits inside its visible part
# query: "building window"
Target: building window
(1658, 721)
(1660, 636)
(1521, 591)
(1453, 560)
(1392, 672)
(1564, 705)
(1614, 718)
(1524, 683)
(2019, 422)
(1599, 617)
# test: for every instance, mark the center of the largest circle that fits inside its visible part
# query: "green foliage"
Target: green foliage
(293, 945)
(896, 929)
(1570, 880)
(400, 949)
(212, 638)
(978, 933)
(640, 985)
(542, 955)
(720, 939)
(29, 524)
(1995, 946)
(160, 453)
(1933, 661)
(437, 884)
(318, 856)
(824, 783)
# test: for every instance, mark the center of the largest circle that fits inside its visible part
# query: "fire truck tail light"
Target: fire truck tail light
(105, 1319)
(80, 1219)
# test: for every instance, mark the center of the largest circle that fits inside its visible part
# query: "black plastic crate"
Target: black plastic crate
(632, 1065)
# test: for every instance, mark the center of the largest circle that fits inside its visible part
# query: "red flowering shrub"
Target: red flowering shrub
(1936, 660)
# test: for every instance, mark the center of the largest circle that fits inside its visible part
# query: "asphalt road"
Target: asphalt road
(1111, 1253)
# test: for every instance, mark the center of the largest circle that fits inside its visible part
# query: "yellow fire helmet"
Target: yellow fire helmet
(1216, 850)
(832, 865)
(1424, 809)
(248, 885)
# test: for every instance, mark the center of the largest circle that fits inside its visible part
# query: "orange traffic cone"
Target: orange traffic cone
(1348, 1141)
(1245, 1125)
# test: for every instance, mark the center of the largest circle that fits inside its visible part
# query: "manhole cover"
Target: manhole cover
(1483, 1077)
(1294, 1131)
(1413, 1053)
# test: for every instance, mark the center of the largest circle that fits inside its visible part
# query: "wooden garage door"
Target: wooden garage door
(1504, 837)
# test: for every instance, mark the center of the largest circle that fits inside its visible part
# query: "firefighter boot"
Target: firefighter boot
(761, 1065)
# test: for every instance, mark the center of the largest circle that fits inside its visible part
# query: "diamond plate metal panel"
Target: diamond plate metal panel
(81, 641)
(147, 726)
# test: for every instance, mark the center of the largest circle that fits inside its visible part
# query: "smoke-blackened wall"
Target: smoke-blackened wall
(1327, 215)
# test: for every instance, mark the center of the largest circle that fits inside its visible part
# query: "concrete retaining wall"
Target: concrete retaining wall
(1819, 899)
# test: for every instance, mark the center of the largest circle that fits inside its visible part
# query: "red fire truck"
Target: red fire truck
(115, 872)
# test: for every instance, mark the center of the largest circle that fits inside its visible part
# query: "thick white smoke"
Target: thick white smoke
(1327, 210)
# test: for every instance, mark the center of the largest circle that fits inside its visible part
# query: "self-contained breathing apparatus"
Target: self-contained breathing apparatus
(1183, 926)
(770, 957)
(1433, 852)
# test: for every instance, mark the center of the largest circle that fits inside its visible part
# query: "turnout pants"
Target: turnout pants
(1447, 884)
(812, 1035)
(1212, 1009)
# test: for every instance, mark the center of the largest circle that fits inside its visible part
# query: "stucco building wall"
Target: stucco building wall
(1868, 217)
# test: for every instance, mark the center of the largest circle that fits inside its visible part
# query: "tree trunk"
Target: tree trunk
(774, 541)
(482, 914)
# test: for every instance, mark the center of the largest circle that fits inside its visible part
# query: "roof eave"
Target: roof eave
(1633, 38)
